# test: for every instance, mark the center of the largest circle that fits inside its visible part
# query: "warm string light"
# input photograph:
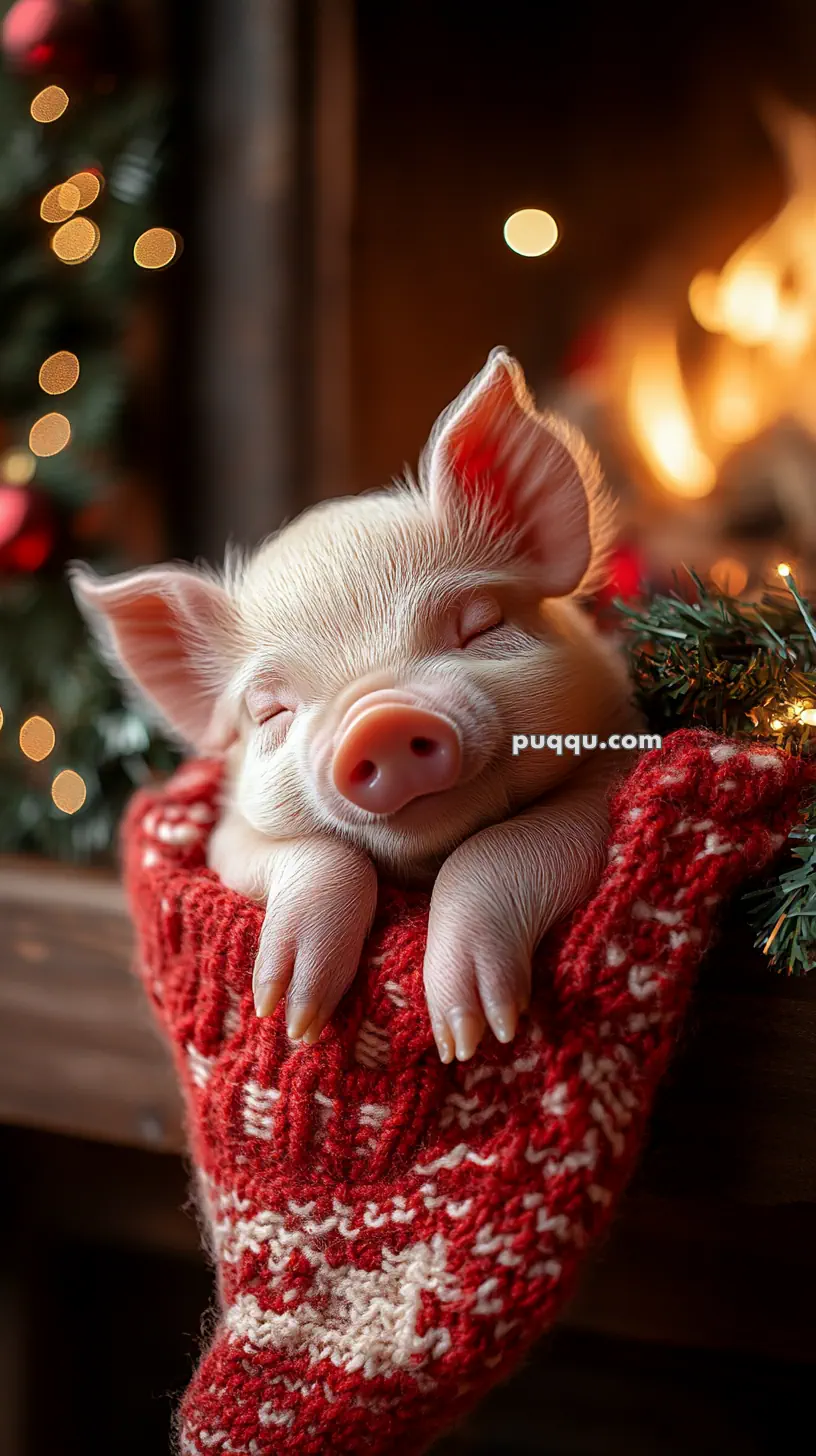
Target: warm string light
(52, 432)
(73, 195)
(59, 372)
(87, 185)
(49, 434)
(798, 712)
(49, 104)
(37, 738)
(17, 466)
(68, 791)
(531, 232)
(76, 241)
(157, 248)
(60, 203)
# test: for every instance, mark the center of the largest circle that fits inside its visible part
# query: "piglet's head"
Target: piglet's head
(366, 668)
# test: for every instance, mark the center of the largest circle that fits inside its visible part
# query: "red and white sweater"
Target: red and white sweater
(391, 1234)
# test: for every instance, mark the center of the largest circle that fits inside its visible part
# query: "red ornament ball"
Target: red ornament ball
(27, 533)
(27, 29)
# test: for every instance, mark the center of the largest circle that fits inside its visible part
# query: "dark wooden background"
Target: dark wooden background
(343, 173)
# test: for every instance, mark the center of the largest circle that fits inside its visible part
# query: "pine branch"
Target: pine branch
(747, 669)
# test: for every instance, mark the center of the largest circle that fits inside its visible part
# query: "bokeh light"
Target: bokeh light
(37, 738)
(17, 466)
(729, 576)
(76, 241)
(531, 232)
(1, 718)
(60, 203)
(783, 569)
(87, 186)
(49, 434)
(704, 300)
(156, 248)
(68, 791)
(748, 299)
(48, 105)
(59, 372)
(808, 717)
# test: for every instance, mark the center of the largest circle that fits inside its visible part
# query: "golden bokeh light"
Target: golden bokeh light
(734, 413)
(60, 203)
(59, 372)
(86, 185)
(37, 738)
(783, 569)
(776, 724)
(808, 717)
(531, 232)
(49, 435)
(156, 248)
(49, 105)
(729, 576)
(17, 466)
(1, 718)
(68, 791)
(703, 297)
(76, 241)
(749, 302)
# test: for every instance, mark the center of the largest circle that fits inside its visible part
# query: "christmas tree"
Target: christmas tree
(84, 140)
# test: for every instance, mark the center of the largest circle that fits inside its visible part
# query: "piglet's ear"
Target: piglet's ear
(169, 631)
(524, 472)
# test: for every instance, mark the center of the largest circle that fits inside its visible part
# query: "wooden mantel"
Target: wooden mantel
(715, 1245)
(79, 1052)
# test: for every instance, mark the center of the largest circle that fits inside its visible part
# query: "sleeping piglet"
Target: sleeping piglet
(364, 673)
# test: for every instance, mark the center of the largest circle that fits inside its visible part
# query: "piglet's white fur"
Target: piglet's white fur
(457, 595)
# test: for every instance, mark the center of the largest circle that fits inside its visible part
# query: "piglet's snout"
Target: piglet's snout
(390, 753)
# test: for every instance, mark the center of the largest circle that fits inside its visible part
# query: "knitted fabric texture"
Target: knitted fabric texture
(391, 1234)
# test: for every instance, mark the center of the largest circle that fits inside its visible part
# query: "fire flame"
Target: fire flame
(760, 311)
(661, 420)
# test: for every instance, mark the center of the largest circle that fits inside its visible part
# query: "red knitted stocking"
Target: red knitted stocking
(391, 1234)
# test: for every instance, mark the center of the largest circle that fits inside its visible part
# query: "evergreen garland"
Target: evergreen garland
(747, 669)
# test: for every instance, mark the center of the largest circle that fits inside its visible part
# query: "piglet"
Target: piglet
(367, 673)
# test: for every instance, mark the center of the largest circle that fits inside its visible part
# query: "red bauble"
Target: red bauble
(626, 576)
(27, 531)
(28, 31)
(66, 40)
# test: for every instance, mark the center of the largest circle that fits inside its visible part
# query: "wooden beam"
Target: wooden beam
(333, 188)
(247, 274)
(273, 276)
